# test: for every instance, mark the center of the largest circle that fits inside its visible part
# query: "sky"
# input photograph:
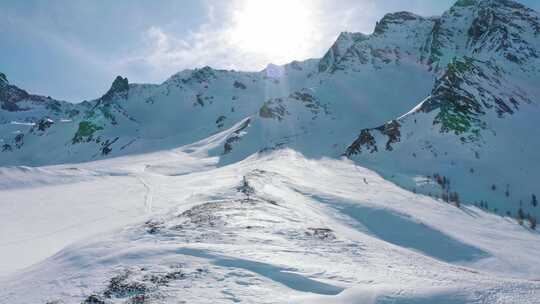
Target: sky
(73, 49)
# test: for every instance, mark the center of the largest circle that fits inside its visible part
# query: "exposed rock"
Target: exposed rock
(321, 233)
(432, 49)
(295, 65)
(3, 80)
(273, 108)
(10, 95)
(309, 101)
(106, 146)
(6, 148)
(119, 89)
(391, 130)
(235, 136)
(200, 76)
(239, 85)
(246, 188)
(93, 299)
(203, 215)
(19, 140)
(44, 123)
(86, 131)
(153, 226)
(121, 287)
(344, 41)
(456, 96)
(220, 121)
(364, 139)
(393, 19)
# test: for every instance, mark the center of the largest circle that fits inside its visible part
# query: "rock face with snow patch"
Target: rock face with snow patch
(475, 128)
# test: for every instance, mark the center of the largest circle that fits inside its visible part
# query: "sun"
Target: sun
(277, 29)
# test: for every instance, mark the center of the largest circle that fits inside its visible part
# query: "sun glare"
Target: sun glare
(277, 29)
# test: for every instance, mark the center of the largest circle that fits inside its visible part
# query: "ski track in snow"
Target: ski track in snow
(148, 196)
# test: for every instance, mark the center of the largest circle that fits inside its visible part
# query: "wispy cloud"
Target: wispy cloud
(212, 42)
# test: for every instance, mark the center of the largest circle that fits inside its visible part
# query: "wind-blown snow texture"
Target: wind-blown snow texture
(225, 186)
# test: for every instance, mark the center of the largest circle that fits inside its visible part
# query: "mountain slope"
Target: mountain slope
(273, 228)
(477, 127)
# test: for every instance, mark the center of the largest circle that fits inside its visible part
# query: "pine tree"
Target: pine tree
(455, 199)
(444, 197)
(520, 216)
(534, 201)
(246, 188)
(532, 222)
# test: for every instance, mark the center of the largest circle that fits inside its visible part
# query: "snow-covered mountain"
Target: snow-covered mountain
(477, 127)
(467, 82)
(251, 186)
(172, 227)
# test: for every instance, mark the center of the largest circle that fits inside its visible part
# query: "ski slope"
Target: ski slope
(276, 227)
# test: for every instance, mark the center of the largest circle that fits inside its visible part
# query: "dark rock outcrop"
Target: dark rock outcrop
(119, 88)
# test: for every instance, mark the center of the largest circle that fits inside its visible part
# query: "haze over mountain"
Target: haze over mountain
(261, 186)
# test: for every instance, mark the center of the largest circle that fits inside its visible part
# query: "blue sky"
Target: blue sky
(72, 49)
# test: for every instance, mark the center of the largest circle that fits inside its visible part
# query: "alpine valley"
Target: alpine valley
(401, 167)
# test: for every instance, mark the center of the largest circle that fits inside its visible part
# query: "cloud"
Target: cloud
(213, 44)
(163, 53)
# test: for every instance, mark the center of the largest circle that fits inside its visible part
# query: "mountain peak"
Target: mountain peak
(350, 36)
(505, 3)
(3, 79)
(394, 18)
(509, 6)
(344, 41)
(119, 85)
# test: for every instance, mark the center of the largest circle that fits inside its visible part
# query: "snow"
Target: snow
(224, 186)
(314, 230)
(22, 123)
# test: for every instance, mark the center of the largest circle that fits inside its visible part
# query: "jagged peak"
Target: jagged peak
(3, 79)
(395, 18)
(491, 3)
(206, 68)
(354, 36)
(402, 15)
(343, 42)
(466, 3)
(119, 85)
(518, 10)
(195, 76)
